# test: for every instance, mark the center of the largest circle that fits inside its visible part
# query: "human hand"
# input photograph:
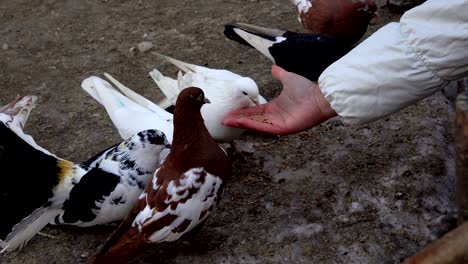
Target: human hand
(301, 105)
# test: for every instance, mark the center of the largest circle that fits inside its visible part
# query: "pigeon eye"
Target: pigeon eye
(244, 93)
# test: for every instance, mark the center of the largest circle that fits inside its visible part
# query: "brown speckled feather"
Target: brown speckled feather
(347, 20)
(192, 148)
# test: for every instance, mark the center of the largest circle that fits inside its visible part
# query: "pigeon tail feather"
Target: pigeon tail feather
(270, 32)
(128, 116)
(139, 99)
(168, 87)
(27, 228)
(20, 109)
(17, 113)
(184, 81)
(184, 66)
(111, 99)
(258, 42)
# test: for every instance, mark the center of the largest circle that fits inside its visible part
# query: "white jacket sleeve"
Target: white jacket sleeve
(401, 63)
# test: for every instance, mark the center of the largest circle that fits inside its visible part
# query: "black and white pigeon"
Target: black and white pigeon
(114, 180)
(182, 193)
(306, 54)
(38, 187)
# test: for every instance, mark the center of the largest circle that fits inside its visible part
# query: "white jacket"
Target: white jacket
(401, 63)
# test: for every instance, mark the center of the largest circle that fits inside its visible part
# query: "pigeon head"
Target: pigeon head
(191, 97)
(370, 6)
(247, 92)
(368, 9)
(187, 116)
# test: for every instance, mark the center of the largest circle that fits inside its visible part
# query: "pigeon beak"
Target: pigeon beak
(202, 97)
(375, 17)
(256, 102)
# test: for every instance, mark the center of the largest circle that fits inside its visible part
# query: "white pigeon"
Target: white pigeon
(132, 113)
(129, 116)
(225, 90)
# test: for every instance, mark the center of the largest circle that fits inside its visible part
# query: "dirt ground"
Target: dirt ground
(334, 194)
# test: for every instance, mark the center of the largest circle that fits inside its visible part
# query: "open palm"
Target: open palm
(300, 106)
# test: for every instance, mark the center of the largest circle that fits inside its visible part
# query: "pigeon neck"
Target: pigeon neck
(188, 126)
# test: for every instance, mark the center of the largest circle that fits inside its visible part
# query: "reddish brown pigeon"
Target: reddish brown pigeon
(183, 192)
(346, 20)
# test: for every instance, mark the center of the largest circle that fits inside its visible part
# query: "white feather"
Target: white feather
(19, 110)
(139, 99)
(128, 116)
(302, 5)
(272, 32)
(190, 210)
(226, 91)
(110, 212)
(132, 180)
(15, 114)
(23, 231)
(143, 215)
(27, 228)
(168, 86)
(259, 43)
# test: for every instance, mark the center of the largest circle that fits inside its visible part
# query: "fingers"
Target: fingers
(278, 72)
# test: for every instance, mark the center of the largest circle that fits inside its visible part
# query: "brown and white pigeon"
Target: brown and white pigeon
(346, 20)
(183, 191)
